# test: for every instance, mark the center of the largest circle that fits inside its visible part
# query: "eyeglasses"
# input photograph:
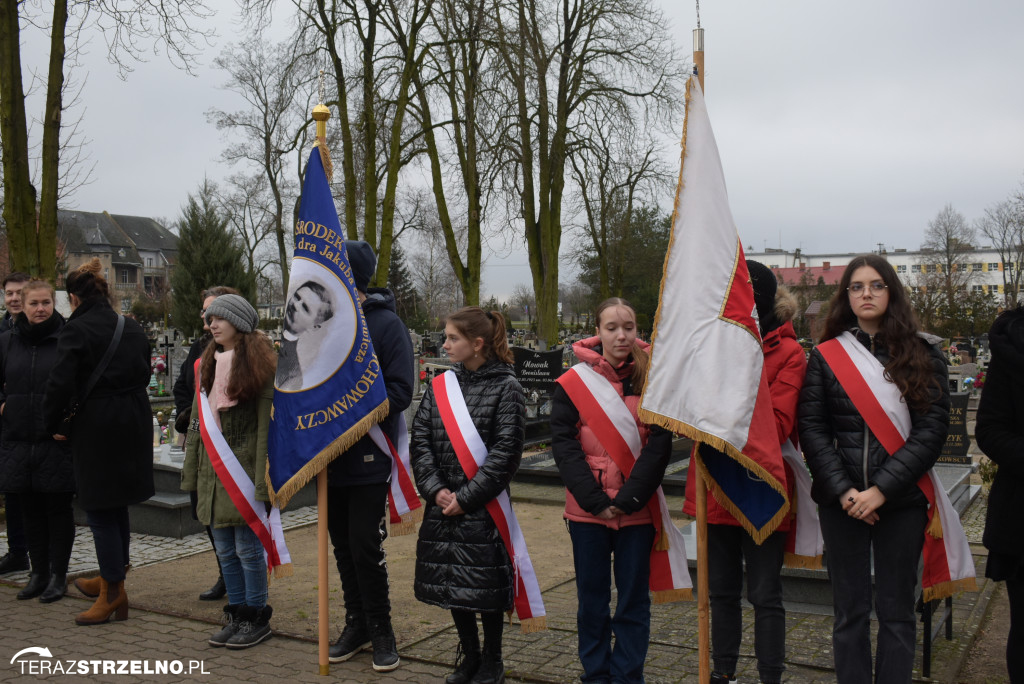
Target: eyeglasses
(202, 314)
(858, 289)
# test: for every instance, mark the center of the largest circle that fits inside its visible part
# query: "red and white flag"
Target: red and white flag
(707, 378)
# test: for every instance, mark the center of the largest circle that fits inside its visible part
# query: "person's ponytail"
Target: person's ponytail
(499, 340)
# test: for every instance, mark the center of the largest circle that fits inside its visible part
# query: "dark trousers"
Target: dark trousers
(728, 547)
(598, 551)
(111, 533)
(465, 625)
(894, 543)
(1015, 637)
(355, 520)
(50, 528)
(16, 544)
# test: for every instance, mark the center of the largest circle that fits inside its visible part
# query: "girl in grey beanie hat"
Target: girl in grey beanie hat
(236, 310)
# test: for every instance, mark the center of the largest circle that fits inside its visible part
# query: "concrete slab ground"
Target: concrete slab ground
(153, 634)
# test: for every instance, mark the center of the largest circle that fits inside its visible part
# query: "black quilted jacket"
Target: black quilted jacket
(30, 459)
(1000, 433)
(841, 451)
(461, 561)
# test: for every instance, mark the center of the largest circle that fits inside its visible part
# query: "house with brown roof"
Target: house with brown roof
(138, 254)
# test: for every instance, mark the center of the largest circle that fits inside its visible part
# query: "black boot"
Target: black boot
(354, 638)
(253, 627)
(37, 582)
(467, 662)
(13, 561)
(492, 669)
(56, 589)
(216, 592)
(230, 626)
(385, 652)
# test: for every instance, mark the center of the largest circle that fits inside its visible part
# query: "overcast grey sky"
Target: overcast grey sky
(841, 125)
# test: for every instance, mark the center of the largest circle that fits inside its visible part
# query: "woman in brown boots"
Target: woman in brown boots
(96, 397)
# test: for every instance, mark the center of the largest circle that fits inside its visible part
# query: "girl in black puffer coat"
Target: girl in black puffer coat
(870, 506)
(1000, 434)
(32, 462)
(461, 561)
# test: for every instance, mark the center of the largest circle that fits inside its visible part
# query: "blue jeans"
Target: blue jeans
(241, 560)
(596, 551)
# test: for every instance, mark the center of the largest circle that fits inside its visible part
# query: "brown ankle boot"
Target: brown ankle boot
(91, 586)
(112, 601)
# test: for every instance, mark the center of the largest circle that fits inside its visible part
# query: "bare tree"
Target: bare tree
(269, 79)
(614, 168)
(127, 25)
(248, 207)
(432, 274)
(948, 242)
(561, 61)
(1003, 224)
(522, 296)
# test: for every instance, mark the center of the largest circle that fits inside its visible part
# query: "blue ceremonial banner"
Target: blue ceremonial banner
(329, 390)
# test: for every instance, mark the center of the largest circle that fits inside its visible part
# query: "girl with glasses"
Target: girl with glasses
(867, 467)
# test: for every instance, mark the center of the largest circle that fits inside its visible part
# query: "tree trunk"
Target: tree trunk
(19, 194)
(47, 235)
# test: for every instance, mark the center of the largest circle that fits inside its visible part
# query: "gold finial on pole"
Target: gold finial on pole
(321, 113)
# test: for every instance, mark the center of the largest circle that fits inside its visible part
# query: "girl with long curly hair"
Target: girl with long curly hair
(866, 464)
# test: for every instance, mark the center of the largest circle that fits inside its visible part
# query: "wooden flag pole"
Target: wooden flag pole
(320, 114)
(703, 607)
(323, 607)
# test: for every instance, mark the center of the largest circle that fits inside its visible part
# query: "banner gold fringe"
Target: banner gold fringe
(281, 497)
(534, 624)
(944, 589)
(934, 528)
(672, 230)
(286, 570)
(758, 535)
(661, 543)
(671, 595)
(792, 560)
(325, 159)
(408, 523)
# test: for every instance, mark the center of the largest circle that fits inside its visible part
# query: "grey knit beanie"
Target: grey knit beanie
(236, 310)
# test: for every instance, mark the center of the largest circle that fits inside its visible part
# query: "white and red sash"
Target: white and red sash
(472, 452)
(948, 565)
(242, 490)
(615, 428)
(403, 500)
(804, 543)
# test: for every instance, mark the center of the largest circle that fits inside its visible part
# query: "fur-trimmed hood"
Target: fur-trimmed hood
(785, 304)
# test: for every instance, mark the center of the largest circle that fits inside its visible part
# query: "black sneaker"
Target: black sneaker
(230, 627)
(492, 669)
(13, 562)
(719, 678)
(253, 627)
(385, 652)
(354, 638)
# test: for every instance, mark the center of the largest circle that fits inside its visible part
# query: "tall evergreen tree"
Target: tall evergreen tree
(400, 281)
(208, 255)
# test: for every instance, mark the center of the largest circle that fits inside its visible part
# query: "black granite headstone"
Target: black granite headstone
(957, 441)
(538, 369)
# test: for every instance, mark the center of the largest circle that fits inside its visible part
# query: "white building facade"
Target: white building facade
(988, 273)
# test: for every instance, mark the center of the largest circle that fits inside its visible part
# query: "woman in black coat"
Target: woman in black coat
(1000, 434)
(110, 429)
(870, 506)
(32, 462)
(461, 561)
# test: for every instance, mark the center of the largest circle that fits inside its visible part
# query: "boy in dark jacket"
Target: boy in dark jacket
(358, 482)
